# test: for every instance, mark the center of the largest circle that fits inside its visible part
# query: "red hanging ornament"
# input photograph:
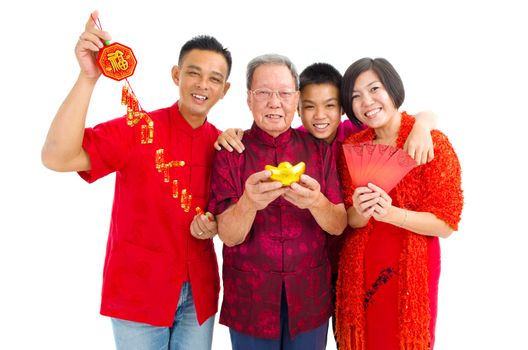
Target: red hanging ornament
(117, 61)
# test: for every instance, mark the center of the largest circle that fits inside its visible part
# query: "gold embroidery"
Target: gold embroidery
(163, 167)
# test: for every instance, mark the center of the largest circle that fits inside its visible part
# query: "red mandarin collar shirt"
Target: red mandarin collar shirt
(285, 245)
(150, 250)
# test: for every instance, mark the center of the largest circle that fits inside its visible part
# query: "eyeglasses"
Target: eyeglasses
(265, 94)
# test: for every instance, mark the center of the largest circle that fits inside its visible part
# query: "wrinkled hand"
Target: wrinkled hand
(88, 46)
(419, 145)
(260, 192)
(303, 194)
(204, 226)
(229, 139)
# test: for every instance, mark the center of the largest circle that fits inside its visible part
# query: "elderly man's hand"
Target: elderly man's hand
(260, 192)
(304, 194)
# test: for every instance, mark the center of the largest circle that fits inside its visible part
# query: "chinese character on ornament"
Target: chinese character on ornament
(117, 61)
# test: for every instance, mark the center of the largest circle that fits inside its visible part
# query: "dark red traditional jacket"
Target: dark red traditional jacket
(285, 245)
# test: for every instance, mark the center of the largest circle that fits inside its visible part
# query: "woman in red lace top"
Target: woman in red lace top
(390, 266)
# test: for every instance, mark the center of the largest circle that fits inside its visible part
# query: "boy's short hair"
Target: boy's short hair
(388, 76)
(208, 43)
(320, 73)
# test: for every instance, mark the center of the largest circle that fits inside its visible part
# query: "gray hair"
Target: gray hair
(270, 59)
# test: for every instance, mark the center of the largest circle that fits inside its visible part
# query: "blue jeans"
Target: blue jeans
(185, 333)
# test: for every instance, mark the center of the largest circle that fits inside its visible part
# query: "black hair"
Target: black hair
(209, 43)
(320, 73)
(388, 76)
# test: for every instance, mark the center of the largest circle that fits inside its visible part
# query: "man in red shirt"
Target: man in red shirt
(276, 272)
(160, 281)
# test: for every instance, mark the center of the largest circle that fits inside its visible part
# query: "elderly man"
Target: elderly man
(276, 272)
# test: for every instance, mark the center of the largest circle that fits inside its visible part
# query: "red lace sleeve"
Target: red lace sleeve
(443, 194)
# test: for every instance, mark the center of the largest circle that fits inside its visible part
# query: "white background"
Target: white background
(465, 61)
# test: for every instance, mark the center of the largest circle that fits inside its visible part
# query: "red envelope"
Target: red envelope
(381, 165)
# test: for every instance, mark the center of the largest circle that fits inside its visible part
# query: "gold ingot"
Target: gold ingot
(286, 173)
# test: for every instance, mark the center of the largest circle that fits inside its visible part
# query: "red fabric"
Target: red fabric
(388, 277)
(285, 243)
(344, 130)
(150, 250)
(335, 243)
(382, 267)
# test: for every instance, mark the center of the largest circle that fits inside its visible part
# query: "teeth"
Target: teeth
(371, 113)
(200, 97)
(321, 126)
(273, 116)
